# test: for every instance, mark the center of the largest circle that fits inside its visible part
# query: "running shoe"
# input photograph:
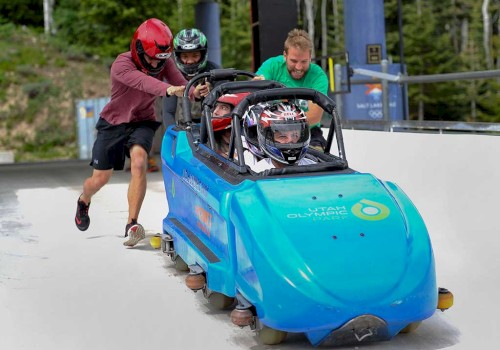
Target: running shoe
(82, 219)
(135, 233)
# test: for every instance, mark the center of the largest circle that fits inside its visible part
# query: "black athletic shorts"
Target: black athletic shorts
(317, 139)
(113, 142)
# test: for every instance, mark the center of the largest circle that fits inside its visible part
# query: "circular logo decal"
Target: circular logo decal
(370, 210)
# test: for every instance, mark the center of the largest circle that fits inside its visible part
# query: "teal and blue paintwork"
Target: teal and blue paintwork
(309, 252)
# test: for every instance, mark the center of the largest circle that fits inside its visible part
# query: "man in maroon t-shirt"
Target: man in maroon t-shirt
(127, 124)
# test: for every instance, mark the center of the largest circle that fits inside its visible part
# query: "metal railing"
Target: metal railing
(429, 126)
(440, 127)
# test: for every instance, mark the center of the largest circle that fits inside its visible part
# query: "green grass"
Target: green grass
(39, 80)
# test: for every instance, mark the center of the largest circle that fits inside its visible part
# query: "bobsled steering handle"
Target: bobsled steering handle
(235, 87)
(213, 75)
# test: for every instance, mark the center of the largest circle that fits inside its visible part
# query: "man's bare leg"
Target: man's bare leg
(138, 181)
(94, 183)
(136, 194)
(90, 186)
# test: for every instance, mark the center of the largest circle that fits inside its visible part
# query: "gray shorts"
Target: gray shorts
(113, 142)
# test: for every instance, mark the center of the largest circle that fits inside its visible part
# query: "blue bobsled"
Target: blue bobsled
(321, 249)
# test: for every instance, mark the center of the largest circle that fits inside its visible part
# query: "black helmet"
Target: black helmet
(190, 40)
(283, 132)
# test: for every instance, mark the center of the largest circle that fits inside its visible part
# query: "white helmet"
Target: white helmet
(283, 132)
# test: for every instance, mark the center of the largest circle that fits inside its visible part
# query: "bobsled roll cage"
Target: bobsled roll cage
(201, 135)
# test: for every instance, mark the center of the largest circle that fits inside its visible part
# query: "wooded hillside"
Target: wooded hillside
(41, 74)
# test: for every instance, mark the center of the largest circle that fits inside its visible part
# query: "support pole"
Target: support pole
(207, 19)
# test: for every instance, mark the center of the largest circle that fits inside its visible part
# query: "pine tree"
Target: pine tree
(236, 36)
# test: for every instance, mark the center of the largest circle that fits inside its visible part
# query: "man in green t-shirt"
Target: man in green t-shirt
(294, 69)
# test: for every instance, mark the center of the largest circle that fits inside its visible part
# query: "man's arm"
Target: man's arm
(314, 114)
(319, 83)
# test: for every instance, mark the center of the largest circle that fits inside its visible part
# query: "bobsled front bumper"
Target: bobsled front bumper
(361, 329)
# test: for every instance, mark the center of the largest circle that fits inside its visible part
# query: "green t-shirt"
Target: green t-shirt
(274, 68)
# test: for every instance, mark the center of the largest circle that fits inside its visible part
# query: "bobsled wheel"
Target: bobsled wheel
(445, 299)
(220, 301)
(411, 327)
(180, 265)
(270, 336)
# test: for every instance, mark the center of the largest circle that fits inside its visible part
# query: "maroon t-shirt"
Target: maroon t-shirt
(133, 92)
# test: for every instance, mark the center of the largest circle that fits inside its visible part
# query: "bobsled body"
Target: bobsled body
(318, 253)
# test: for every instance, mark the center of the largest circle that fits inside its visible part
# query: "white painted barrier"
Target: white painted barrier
(6, 157)
(453, 179)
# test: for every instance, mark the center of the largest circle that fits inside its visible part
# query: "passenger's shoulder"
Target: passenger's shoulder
(307, 161)
(261, 165)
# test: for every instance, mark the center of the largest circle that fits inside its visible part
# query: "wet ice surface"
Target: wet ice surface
(65, 289)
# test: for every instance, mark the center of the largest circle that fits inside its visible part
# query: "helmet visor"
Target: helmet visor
(289, 133)
(286, 143)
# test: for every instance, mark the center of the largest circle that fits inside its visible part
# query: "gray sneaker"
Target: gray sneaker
(135, 233)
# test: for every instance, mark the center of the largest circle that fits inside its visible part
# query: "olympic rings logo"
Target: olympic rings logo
(375, 113)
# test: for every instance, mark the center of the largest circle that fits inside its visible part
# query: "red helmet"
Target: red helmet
(224, 122)
(154, 39)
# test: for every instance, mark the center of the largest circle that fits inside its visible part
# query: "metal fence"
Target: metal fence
(440, 127)
(410, 126)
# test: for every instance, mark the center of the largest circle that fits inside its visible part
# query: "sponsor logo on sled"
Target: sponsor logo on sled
(369, 210)
(321, 213)
(204, 221)
(195, 183)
